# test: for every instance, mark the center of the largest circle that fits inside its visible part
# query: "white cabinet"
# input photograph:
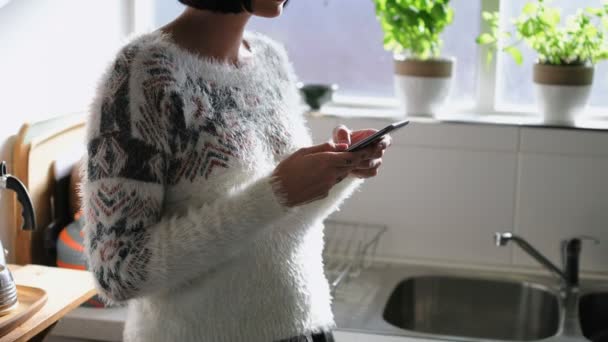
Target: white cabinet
(343, 336)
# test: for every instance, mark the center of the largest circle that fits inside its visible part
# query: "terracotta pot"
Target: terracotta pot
(423, 86)
(562, 91)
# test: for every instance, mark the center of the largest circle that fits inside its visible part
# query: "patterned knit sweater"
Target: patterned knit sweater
(181, 217)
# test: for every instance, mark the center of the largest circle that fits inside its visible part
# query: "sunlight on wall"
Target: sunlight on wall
(53, 53)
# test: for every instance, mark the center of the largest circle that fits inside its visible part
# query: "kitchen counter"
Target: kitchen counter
(358, 306)
(66, 289)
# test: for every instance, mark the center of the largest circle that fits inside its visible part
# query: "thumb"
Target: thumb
(341, 134)
(325, 147)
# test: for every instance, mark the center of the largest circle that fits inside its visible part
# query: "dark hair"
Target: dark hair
(223, 6)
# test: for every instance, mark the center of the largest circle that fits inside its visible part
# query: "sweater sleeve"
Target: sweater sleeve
(318, 210)
(132, 247)
(133, 250)
(321, 209)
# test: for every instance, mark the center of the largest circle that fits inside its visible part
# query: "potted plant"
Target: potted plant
(412, 30)
(567, 53)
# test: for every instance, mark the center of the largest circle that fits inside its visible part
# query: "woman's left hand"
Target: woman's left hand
(369, 166)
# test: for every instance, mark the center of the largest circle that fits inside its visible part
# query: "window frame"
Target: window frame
(486, 72)
(488, 77)
(142, 15)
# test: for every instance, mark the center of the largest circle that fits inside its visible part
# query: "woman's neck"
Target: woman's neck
(214, 35)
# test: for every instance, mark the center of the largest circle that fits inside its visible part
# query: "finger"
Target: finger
(368, 173)
(325, 147)
(344, 159)
(359, 135)
(372, 152)
(369, 164)
(384, 143)
(341, 134)
(379, 153)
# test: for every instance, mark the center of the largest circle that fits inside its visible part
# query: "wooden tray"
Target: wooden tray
(30, 300)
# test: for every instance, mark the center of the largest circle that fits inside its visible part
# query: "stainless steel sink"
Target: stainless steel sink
(593, 314)
(452, 304)
(477, 308)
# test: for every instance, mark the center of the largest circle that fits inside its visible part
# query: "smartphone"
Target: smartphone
(377, 136)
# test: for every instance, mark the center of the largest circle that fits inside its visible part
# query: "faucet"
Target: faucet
(571, 250)
(13, 183)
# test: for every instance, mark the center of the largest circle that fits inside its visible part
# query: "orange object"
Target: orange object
(65, 237)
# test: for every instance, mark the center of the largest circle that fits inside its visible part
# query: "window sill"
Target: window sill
(389, 110)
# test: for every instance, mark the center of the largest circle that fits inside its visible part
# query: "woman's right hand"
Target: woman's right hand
(310, 172)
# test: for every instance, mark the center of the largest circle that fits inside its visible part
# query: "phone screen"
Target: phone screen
(377, 136)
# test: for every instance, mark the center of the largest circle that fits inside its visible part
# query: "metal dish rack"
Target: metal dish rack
(350, 247)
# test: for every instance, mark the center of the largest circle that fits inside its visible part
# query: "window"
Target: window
(515, 89)
(332, 43)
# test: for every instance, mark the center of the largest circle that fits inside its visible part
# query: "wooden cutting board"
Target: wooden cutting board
(30, 300)
(66, 289)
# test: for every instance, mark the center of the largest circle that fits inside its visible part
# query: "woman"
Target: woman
(204, 200)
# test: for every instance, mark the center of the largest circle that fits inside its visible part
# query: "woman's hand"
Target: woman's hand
(368, 167)
(309, 173)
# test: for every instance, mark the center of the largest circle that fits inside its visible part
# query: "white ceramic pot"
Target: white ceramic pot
(423, 86)
(562, 92)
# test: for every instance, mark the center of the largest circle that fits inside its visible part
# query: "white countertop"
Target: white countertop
(355, 323)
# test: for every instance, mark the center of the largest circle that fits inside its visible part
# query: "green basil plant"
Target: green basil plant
(580, 40)
(414, 27)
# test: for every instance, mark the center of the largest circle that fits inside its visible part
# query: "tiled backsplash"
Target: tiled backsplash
(444, 189)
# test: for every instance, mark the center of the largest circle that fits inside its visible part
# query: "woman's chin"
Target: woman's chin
(270, 12)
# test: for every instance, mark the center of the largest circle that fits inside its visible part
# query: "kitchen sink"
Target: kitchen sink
(481, 308)
(593, 314)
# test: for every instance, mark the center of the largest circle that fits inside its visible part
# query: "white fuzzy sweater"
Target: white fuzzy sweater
(181, 217)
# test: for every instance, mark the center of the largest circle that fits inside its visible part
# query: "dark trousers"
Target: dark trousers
(320, 337)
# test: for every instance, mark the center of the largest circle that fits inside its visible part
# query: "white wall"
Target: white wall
(51, 55)
(444, 189)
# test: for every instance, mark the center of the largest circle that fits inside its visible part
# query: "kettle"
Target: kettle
(8, 289)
